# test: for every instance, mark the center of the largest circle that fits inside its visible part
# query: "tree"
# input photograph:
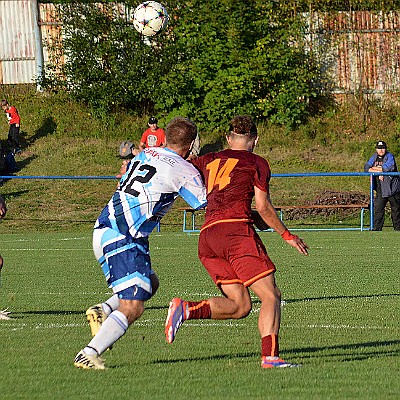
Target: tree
(216, 59)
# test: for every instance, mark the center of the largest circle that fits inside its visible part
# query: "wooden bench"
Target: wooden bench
(190, 226)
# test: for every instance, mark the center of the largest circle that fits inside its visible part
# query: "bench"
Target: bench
(189, 214)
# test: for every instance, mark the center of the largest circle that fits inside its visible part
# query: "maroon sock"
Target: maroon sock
(270, 346)
(199, 309)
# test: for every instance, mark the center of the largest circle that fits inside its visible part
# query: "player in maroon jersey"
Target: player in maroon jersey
(230, 248)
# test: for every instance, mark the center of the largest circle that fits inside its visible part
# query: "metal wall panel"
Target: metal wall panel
(17, 42)
(51, 31)
(363, 48)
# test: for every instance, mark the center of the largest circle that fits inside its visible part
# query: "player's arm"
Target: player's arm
(142, 146)
(268, 214)
(123, 169)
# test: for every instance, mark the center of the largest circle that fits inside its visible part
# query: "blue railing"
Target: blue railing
(289, 175)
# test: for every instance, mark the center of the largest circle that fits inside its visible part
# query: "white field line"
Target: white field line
(44, 239)
(54, 249)
(14, 325)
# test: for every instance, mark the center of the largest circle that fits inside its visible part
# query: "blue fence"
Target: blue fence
(371, 175)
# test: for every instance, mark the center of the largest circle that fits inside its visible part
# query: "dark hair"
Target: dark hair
(180, 132)
(243, 125)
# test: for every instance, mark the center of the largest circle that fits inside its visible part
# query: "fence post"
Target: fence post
(38, 43)
(371, 202)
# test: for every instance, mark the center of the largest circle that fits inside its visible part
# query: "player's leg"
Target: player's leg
(119, 320)
(269, 322)
(97, 314)
(236, 304)
(130, 278)
(270, 311)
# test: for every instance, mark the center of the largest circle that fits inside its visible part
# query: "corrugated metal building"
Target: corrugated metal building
(17, 42)
(360, 50)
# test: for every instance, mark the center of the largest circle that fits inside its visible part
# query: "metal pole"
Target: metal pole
(371, 202)
(38, 44)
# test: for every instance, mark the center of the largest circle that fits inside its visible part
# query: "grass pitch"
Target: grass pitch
(340, 320)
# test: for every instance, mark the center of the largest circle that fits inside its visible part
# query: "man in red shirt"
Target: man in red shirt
(153, 136)
(14, 121)
(229, 247)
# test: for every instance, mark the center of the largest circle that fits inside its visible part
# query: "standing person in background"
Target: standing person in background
(3, 211)
(14, 122)
(149, 185)
(387, 188)
(229, 247)
(153, 136)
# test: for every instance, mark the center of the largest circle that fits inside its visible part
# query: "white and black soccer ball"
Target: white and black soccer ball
(149, 18)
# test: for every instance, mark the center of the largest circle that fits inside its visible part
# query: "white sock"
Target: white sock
(110, 305)
(110, 331)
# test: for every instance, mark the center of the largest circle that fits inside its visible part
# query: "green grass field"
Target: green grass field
(340, 320)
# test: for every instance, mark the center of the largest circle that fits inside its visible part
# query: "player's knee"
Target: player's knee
(243, 309)
(132, 309)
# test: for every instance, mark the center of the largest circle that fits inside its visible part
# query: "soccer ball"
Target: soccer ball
(149, 18)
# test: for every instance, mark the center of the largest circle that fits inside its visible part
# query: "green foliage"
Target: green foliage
(216, 59)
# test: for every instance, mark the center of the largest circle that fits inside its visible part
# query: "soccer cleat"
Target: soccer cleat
(177, 313)
(95, 316)
(86, 361)
(4, 314)
(276, 362)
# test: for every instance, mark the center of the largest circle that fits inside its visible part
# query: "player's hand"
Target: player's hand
(3, 210)
(296, 242)
(123, 169)
(299, 244)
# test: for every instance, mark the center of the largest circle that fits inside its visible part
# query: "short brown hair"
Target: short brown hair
(4, 103)
(180, 132)
(243, 125)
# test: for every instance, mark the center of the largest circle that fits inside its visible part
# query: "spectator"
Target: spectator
(229, 247)
(153, 136)
(387, 187)
(14, 122)
(3, 211)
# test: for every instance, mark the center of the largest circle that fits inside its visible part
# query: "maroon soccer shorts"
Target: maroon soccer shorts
(232, 252)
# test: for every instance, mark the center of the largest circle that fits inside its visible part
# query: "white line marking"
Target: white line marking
(44, 239)
(13, 325)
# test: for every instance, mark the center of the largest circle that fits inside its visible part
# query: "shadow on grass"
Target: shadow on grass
(341, 352)
(357, 296)
(48, 127)
(351, 351)
(208, 358)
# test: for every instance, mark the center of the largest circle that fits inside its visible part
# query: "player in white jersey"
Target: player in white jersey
(147, 190)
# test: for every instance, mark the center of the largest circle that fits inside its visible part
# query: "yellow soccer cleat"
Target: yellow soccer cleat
(85, 361)
(95, 316)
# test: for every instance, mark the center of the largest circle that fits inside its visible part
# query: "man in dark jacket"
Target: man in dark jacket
(387, 187)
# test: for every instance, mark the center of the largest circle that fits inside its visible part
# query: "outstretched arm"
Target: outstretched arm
(268, 213)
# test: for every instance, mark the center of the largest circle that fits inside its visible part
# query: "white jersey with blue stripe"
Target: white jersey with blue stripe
(148, 189)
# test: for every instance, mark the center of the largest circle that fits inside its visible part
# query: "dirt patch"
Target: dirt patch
(329, 198)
